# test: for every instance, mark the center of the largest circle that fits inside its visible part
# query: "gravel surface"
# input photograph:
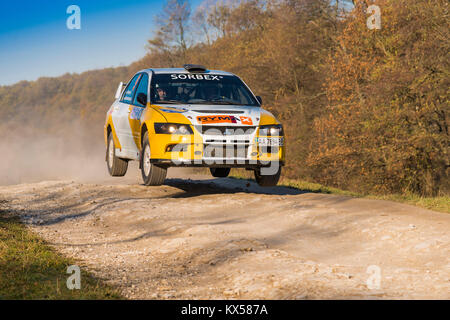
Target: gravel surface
(230, 239)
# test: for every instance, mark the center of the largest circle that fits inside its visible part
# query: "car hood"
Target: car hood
(217, 115)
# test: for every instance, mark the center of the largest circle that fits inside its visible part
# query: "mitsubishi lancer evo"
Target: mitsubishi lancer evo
(192, 117)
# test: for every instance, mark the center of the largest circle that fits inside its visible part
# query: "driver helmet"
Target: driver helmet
(158, 86)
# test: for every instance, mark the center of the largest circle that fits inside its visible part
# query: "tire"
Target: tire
(117, 167)
(267, 180)
(151, 174)
(220, 172)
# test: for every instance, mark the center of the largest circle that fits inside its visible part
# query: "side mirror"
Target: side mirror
(142, 98)
(259, 99)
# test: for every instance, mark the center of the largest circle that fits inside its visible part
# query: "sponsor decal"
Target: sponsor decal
(224, 119)
(137, 81)
(195, 77)
(136, 113)
(217, 119)
(246, 120)
(173, 110)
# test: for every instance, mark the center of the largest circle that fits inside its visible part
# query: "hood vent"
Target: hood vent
(219, 111)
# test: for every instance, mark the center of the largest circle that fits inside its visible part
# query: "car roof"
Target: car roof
(182, 70)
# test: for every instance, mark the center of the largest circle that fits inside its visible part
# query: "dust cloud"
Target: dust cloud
(35, 154)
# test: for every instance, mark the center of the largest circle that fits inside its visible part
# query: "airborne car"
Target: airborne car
(193, 117)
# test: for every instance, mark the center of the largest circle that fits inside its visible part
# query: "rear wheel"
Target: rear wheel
(220, 172)
(117, 167)
(266, 178)
(151, 174)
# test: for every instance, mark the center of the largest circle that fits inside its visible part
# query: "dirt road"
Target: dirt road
(226, 238)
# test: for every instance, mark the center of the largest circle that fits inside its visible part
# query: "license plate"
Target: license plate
(270, 142)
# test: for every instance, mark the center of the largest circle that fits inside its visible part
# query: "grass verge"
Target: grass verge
(441, 203)
(30, 269)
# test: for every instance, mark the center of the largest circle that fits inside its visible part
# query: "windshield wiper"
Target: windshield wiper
(222, 102)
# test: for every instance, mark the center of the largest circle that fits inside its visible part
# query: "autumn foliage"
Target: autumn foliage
(386, 127)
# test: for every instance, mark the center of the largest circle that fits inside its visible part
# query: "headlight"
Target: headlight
(173, 128)
(271, 130)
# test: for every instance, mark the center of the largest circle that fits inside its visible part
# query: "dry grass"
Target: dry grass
(440, 203)
(30, 269)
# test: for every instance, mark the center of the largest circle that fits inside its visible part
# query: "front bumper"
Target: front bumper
(202, 150)
(216, 163)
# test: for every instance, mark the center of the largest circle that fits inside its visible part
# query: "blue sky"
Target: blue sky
(35, 42)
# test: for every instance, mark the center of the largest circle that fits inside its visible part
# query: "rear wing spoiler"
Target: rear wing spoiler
(120, 88)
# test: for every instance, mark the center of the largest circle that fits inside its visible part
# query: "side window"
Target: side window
(129, 91)
(142, 88)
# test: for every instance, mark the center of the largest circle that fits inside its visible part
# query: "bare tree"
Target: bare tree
(200, 22)
(173, 25)
(217, 16)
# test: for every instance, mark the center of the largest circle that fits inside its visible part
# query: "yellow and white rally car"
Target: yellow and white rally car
(192, 116)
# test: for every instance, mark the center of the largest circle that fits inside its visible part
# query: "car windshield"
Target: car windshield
(182, 88)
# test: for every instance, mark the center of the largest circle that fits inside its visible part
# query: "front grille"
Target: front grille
(225, 130)
(225, 151)
(224, 141)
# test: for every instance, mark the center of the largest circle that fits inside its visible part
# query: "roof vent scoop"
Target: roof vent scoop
(194, 68)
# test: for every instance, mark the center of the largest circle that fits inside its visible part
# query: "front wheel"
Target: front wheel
(220, 172)
(117, 167)
(151, 174)
(267, 176)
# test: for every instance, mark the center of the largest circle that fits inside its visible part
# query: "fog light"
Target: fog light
(181, 147)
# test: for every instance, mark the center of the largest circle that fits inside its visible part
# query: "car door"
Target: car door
(137, 108)
(120, 118)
